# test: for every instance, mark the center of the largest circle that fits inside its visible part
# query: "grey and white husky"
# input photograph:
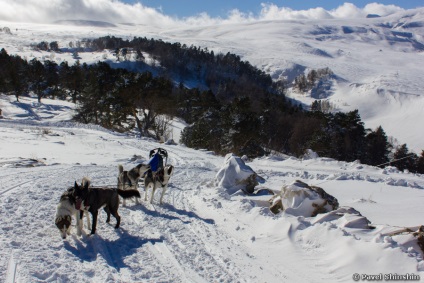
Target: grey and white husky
(129, 179)
(64, 212)
(159, 179)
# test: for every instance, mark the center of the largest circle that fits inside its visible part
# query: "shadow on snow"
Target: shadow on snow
(114, 252)
(179, 212)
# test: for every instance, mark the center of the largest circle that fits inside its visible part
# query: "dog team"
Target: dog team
(83, 198)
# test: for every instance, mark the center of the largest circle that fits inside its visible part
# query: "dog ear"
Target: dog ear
(76, 185)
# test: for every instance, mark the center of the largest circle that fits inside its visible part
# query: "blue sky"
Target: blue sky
(220, 8)
(170, 13)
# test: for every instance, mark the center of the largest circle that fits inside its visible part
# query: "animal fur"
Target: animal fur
(93, 198)
(156, 180)
(129, 179)
(64, 212)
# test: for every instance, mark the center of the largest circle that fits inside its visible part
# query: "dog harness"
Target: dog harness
(127, 183)
(159, 176)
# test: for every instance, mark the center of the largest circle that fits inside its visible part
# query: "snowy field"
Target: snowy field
(200, 233)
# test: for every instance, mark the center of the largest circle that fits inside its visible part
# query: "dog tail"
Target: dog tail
(121, 168)
(85, 182)
(129, 193)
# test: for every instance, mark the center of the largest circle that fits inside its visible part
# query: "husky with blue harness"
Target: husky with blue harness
(159, 173)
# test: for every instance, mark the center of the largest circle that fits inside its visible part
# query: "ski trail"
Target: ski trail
(170, 271)
(11, 270)
(168, 260)
(4, 191)
(35, 176)
(182, 249)
(190, 246)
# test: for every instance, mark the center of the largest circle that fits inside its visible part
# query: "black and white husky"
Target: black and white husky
(159, 179)
(129, 179)
(64, 212)
(91, 199)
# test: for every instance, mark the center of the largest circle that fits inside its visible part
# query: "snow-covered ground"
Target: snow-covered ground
(200, 233)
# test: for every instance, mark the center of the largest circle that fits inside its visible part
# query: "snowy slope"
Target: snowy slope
(377, 61)
(200, 234)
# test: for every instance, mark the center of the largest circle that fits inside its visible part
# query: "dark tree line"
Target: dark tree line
(237, 117)
(221, 73)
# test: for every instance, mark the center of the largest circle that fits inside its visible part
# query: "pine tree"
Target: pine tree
(377, 148)
(52, 78)
(38, 78)
(403, 159)
(420, 163)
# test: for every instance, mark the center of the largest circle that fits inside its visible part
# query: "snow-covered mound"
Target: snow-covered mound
(310, 154)
(235, 175)
(300, 199)
(345, 217)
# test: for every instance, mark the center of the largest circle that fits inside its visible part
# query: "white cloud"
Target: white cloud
(48, 11)
(273, 12)
(382, 10)
(115, 11)
(347, 10)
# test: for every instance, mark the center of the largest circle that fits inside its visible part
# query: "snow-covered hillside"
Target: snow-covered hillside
(200, 233)
(377, 61)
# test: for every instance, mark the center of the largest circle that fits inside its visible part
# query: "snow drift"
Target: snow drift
(300, 199)
(235, 175)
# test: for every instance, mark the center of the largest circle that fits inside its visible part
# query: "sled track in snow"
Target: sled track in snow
(11, 270)
(168, 260)
(36, 178)
(183, 252)
(191, 247)
(159, 251)
(4, 191)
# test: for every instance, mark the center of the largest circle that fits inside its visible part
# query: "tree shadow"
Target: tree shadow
(155, 213)
(190, 214)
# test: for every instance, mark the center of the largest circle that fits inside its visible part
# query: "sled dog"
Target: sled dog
(159, 179)
(93, 198)
(64, 212)
(129, 179)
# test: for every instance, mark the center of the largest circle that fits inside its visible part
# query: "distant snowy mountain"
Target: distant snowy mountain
(377, 60)
(85, 23)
